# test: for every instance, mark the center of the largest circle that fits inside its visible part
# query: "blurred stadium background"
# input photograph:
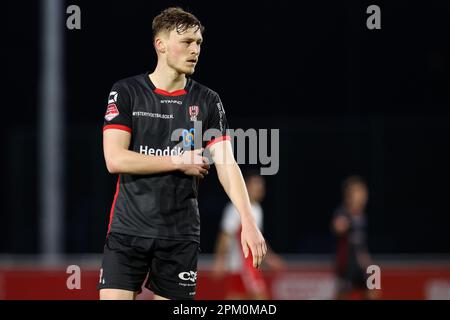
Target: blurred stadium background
(347, 100)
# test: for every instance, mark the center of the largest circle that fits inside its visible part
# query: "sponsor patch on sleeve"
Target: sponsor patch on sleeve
(111, 112)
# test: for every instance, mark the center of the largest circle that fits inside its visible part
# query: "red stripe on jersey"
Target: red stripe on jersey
(170, 94)
(223, 138)
(117, 126)
(111, 213)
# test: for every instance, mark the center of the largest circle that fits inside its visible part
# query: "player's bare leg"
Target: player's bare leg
(157, 297)
(372, 294)
(117, 294)
(235, 296)
(258, 296)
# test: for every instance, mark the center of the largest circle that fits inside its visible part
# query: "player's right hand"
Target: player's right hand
(192, 163)
(341, 224)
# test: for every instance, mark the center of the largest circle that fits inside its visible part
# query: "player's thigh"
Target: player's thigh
(173, 269)
(158, 297)
(125, 264)
(117, 294)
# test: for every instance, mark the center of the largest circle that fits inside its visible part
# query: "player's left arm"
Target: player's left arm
(230, 177)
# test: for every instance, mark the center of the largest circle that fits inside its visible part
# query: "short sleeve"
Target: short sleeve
(231, 220)
(217, 120)
(119, 109)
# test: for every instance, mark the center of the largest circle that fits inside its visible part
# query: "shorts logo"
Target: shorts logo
(193, 112)
(111, 112)
(188, 276)
(112, 97)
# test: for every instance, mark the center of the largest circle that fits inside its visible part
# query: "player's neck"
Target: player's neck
(167, 79)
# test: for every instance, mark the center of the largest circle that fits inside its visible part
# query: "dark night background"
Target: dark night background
(347, 100)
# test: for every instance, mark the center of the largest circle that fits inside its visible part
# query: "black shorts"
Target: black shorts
(171, 265)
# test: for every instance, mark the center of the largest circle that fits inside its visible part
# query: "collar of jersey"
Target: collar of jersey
(164, 92)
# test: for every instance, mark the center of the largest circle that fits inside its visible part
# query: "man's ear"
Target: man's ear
(160, 45)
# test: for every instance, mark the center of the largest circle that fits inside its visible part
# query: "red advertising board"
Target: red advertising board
(416, 282)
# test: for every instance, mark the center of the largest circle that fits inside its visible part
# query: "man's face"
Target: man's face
(357, 196)
(256, 188)
(183, 50)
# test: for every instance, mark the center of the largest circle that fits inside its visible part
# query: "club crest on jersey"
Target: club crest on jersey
(111, 112)
(193, 112)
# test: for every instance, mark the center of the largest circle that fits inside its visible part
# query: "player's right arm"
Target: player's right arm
(117, 131)
(220, 253)
(229, 225)
(121, 160)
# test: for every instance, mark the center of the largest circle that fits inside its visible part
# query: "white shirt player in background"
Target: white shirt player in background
(243, 282)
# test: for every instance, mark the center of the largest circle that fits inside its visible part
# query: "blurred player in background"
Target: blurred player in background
(243, 281)
(349, 225)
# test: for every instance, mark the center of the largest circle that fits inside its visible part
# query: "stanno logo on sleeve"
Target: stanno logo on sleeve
(111, 112)
(193, 112)
(112, 97)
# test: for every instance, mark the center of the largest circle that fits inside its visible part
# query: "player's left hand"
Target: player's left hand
(253, 240)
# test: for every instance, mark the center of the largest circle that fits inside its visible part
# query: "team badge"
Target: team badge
(193, 112)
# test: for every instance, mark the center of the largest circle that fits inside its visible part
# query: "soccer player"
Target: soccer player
(243, 281)
(154, 227)
(349, 225)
